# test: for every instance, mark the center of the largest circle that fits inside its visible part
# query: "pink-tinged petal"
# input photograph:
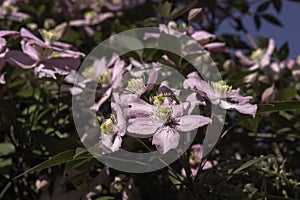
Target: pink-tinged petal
(165, 139)
(41, 72)
(14, 34)
(152, 76)
(143, 126)
(216, 47)
(209, 164)
(236, 96)
(20, 59)
(30, 50)
(2, 79)
(65, 63)
(120, 118)
(103, 99)
(197, 151)
(113, 59)
(151, 35)
(76, 90)
(191, 122)
(269, 94)
(254, 67)
(203, 37)
(139, 107)
(247, 108)
(194, 82)
(110, 143)
(194, 171)
(194, 99)
(243, 59)
(290, 63)
(2, 45)
(79, 22)
(270, 48)
(296, 72)
(117, 69)
(116, 144)
(177, 111)
(275, 67)
(265, 60)
(28, 35)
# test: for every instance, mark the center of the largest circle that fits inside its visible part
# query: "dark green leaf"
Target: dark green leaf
(177, 12)
(272, 19)
(257, 22)
(278, 106)
(251, 124)
(249, 164)
(287, 93)
(58, 159)
(277, 5)
(264, 6)
(105, 198)
(284, 51)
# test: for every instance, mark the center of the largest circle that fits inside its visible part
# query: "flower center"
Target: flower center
(105, 78)
(193, 159)
(158, 99)
(42, 52)
(49, 36)
(220, 88)
(90, 15)
(257, 54)
(89, 72)
(108, 127)
(136, 86)
(164, 113)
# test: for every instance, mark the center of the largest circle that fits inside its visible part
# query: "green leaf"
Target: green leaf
(152, 21)
(105, 198)
(58, 159)
(262, 7)
(75, 164)
(164, 9)
(177, 12)
(257, 22)
(272, 19)
(278, 106)
(251, 124)
(284, 51)
(277, 5)
(250, 163)
(287, 93)
(176, 179)
(6, 148)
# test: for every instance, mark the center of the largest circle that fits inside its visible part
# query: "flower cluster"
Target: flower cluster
(163, 112)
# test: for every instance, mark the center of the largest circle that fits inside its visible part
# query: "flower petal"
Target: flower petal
(165, 139)
(242, 108)
(191, 122)
(143, 126)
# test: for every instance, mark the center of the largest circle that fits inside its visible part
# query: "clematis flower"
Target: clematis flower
(109, 81)
(259, 58)
(143, 78)
(4, 50)
(165, 119)
(112, 131)
(91, 18)
(10, 11)
(47, 57)
(195, 161)
(219, 93)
